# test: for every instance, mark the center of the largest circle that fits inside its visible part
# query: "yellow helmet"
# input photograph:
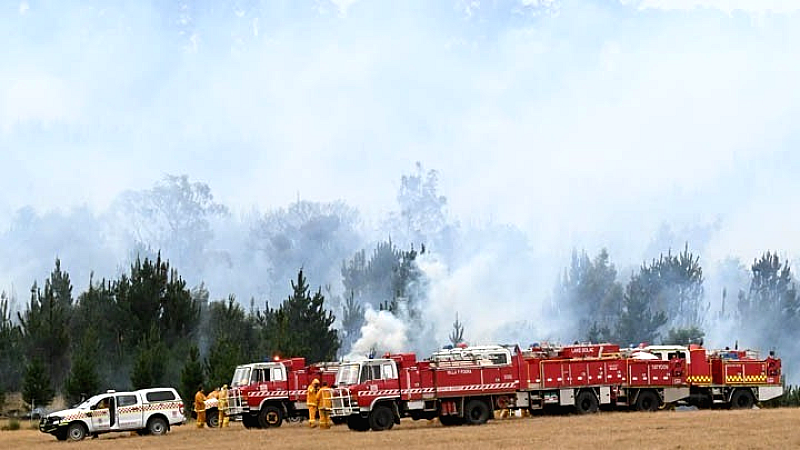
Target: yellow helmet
(315, 382)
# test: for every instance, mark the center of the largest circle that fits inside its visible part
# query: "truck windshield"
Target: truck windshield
(347, 374)
(241, 377)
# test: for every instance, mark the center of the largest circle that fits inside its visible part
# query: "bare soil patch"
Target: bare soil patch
(751, 429)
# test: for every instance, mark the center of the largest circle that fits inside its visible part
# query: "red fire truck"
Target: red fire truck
(266, 393)
(736, 379)
(466, 385)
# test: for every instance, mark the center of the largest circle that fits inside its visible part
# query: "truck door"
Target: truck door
(102, 414)
(129, 412)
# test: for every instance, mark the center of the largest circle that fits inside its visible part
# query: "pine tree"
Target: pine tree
(301, 326)
(37, 389)
(150, 366)
(45, 323)
(638, 323)
(223, 357)
(191, 376)
(457, 335)
(352, 321)
(10, 347)
(83, 379)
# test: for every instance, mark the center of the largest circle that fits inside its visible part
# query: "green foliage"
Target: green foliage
(223, 357)
(352, 321)
(684, 336)
(677, 288)
(771, 305)
(94, 323)
(13, 425)
(11, 354)
(228, 321)
(83, 380)
(301, 326)
(45, 323)
(37, 389)
(150, 366)
(637, 322)
(589, 289)
(191, 377)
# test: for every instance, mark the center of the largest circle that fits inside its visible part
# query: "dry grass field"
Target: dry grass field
(752, 429)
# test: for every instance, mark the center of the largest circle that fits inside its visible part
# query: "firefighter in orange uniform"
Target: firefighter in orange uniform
(200, 406)
(311, 402)
(325, 406)
(222, 406)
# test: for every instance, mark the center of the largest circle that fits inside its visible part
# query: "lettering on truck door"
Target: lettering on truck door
(129, 412)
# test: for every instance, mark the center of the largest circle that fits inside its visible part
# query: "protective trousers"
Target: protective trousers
(324, 418)
(312, 416)
(201, 418)
(223, 418)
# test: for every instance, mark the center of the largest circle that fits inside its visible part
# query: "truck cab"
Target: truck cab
(266, 393)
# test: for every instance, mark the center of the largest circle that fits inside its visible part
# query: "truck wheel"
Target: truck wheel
(476, 412)
(742, 399)
(647, 401)
(212, 417)
(76, 431)
(357, 423)
(157, 426)
(381, 418)
(249, 421)
(61, 435)
(586, 403)
(270, 416)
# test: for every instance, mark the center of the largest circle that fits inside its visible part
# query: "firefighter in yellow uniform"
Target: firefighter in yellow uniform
(200, 407)
(325, 406)
(223, 406)
(311, 402)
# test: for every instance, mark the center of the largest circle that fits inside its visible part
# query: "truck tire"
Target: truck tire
(381, 418)
(586, 403)
(212, 417)
(647, 401)
(157, 426)
(61, 435)
(742, 399)
(270, 416)
(76, 431)
(357, 423)
(476, 412)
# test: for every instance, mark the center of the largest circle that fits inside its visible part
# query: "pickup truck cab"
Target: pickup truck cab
(146, 411)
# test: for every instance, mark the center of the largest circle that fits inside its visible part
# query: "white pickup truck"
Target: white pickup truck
(146, 411)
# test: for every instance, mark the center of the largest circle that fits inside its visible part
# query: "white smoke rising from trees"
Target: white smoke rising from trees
(382, 332)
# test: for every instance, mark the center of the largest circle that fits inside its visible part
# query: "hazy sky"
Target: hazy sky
(585, 123)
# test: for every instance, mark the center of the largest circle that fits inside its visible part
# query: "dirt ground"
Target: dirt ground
(751, 429)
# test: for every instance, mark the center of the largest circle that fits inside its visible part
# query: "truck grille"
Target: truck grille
(236, 405)
(342, 403)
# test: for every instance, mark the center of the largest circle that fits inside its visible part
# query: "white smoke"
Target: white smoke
(493, 291)
(382, 332)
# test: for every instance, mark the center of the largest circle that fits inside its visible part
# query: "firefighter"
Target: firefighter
(200, 406)
(325, 406)
(213, 394)
(223, 406)
(311, 402)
